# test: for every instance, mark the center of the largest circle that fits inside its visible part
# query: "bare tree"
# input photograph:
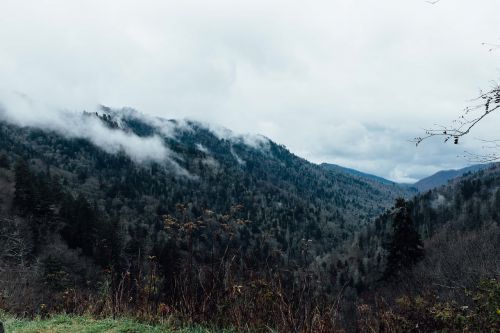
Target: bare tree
(487, 103)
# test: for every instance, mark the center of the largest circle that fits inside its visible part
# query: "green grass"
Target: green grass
(73, 324)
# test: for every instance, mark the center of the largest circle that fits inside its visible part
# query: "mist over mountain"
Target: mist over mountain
(193, 150)
(123, 156)
(246, 167)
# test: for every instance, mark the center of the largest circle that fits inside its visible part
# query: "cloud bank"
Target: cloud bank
(21, 110)
(294, 72)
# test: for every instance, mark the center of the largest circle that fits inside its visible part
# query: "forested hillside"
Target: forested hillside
(280, 193)
(233, 231)
(454, 214)
(362, 175)
(219, 216)
(431, 263)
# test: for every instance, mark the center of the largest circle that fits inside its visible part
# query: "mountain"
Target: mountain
(459, 223)
(356, 173)
(114, 212)
(145, 180)
(443, 177)
(438, 179)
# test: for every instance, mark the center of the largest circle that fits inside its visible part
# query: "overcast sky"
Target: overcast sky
(346, 82)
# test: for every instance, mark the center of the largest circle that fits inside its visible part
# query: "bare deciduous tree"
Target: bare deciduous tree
(487, 103)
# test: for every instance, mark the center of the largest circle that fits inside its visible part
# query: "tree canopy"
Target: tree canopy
(405, 246)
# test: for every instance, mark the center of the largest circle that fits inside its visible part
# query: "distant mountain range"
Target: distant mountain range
(438, 179)
(443, 177)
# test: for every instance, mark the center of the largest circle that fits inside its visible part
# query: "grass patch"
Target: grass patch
(77, 324)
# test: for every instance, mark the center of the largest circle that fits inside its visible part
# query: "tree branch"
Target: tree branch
(490, 102)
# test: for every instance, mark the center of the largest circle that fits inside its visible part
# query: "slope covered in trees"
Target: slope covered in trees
(459, 224)
(455, 287)
(220, 216)
(281, 193)
(233, 231)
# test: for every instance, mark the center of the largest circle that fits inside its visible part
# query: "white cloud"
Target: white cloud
(292, 71)
(22, 110)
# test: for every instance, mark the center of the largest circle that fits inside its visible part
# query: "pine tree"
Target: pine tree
(80, 221)
(24, 196)
(4, 161)
(405, 246)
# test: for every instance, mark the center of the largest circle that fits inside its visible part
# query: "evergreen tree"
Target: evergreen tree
(41, 196)
(4, 161)
(405, 246)
(24, 196)
(497, 200)
(80, 221)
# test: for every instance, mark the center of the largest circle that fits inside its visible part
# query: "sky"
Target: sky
(347, 82)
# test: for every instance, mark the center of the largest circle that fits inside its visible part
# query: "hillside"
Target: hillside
(459, 223)
(363, 175)
(407, 189)
(204, 170)
(120, 214)
(195, 211)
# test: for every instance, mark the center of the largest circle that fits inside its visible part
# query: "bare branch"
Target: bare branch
(487, 103)
(482, 158)
(492, 47)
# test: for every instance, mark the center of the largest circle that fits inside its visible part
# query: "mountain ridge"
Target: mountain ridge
(336, 167)
(442, 177)
(435, 180)
(204, 169)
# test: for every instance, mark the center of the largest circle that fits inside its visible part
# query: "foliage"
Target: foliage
(110, 209)
(405, 248)
(486, 103)
(4, 161)
(479, 312)
(66, 323)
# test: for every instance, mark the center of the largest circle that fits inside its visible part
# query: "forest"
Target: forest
(247, 236)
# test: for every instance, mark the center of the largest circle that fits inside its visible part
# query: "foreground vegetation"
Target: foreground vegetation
(82, 324)
(476, 310)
